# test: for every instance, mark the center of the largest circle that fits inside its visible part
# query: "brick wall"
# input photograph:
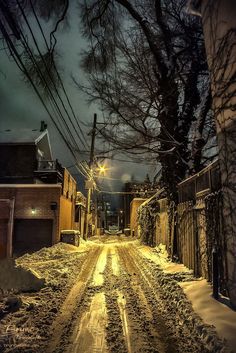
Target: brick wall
(34, 202)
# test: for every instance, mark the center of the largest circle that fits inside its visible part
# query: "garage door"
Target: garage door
(31, 235)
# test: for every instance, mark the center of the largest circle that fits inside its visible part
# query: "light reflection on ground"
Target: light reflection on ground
(124, 317)
(98, 277)
(115, 262)
(90, 335)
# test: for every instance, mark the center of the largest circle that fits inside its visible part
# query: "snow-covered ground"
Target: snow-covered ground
(217, 313)
(111, 294)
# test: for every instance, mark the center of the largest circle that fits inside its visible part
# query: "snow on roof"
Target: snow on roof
(21, 136)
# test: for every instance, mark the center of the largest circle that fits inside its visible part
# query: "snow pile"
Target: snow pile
(190, 307)
(19, 278)
(213, 312)
(26, 316)
(52, 252)
(158, 254)
(183, 320)
(54, 263)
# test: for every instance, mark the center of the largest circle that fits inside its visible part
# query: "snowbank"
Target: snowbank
(212, 312)
(193, 300)
(18, 278)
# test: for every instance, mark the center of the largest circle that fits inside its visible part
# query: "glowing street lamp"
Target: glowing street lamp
(102, 169)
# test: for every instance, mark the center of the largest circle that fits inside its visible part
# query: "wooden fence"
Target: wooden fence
(186, 239)
(193, 228)
(162, 224)
(199, 224)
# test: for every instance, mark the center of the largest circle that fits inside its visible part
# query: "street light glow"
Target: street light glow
(102, 169)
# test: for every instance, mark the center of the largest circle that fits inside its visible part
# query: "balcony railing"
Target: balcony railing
(49, 171)
(46, 165)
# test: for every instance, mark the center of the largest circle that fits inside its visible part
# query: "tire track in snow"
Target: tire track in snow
(147, 327)
(64, 320)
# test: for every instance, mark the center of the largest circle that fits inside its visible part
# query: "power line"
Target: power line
(24, 70)
(22, 67)
(17, 58)
(49, 74)
(61, 82)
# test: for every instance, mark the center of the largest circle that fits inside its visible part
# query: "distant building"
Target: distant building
(135, 189)
(36, 193)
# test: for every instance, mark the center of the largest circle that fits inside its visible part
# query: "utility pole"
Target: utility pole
(90, 181)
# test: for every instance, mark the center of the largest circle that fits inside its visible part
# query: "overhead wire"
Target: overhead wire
(49, 75)
(32, 58)
(126, 192)
(58, 75)
(17, 58)
(22, 67)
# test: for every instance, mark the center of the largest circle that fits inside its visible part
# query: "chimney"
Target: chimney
(43, 126)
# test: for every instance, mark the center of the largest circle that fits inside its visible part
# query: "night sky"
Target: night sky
(21, 108)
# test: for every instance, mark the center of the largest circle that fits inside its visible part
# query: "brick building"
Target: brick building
(37, 195)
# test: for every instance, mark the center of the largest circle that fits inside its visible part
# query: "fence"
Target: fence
(200, 224)
(186, 239)
(193, 228)
(200, 184)
(162, 224)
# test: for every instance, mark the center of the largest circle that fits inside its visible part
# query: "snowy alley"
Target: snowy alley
(108, 295)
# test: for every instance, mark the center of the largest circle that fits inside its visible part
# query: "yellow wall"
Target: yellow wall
(67, 203)
(134, 205)
(162, 224)
(66, 216)
(69, 186)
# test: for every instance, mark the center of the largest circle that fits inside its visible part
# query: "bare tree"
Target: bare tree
(148, 72)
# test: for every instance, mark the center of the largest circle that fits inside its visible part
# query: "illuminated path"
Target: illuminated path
(110, 308)
(122, 302)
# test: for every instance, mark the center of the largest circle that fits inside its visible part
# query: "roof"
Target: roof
(19, 136)
(28, 137)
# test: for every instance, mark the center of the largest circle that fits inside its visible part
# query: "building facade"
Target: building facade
(37, 195)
